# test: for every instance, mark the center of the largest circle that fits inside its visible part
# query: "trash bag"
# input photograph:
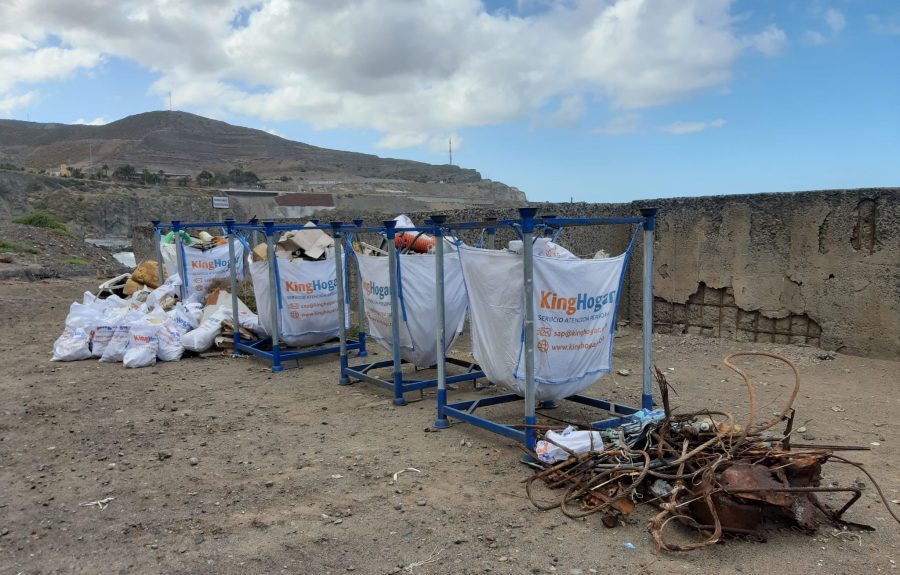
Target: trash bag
(202, 338)
(75, 342)
(105, 327)
(118, 343)
(203, 267)
(169, 287)
(179, 322)
(417, 300)
(574, 307)
(309, 304)
(142, 344)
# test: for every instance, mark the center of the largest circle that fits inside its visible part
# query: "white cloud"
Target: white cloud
(98, 121)
(624, 124)
(835, 20)
(10, 102)
(680, 128)
(813, 37)
(886, 25)
(770, 41)
(412, 71)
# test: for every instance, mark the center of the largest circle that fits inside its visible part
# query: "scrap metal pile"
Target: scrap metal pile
(703, 470)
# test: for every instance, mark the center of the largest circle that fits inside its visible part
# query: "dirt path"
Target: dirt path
(293, 473)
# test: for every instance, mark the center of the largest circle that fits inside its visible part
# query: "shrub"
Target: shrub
(6, 246)
(42, 219)
(76, 262)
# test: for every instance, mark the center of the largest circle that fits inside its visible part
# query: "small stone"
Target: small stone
(739, 568)
(162, 455)
(154, 546)
(801, 429)
(337, 521)
(4, 532)
(269, 483)
(193, 461)
(808, 436)
(575, 571)
(421, 503)
(111, 466)
(503, 559)
(398, 507)
(624, 372)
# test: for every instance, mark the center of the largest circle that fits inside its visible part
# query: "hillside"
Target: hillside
(179, 142)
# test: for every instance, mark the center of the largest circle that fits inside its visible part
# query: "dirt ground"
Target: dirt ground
(293, 473)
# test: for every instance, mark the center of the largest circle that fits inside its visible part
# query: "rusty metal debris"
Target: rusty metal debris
(704, 471)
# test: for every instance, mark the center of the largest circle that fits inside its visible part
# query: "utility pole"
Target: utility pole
(450, 149)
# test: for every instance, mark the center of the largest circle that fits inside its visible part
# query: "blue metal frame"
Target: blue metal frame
(525, 433)
(400, 383)
(276, 354)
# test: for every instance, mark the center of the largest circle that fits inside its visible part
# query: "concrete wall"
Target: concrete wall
(820, 268)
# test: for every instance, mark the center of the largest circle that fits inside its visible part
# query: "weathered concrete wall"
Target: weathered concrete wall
(821, 268)
(812, 267)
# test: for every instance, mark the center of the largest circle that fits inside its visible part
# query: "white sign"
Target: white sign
(220, 202)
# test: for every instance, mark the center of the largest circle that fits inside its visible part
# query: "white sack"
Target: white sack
(75, 342)
(543, 247)
(418, 344)
(309, 312)
(104, 328)
(179, 322)
(169, 287)
(202, 338)
(118, 343)
(574, 305)
(142, 344)
(202, 268)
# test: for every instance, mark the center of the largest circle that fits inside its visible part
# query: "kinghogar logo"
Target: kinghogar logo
(570, 305)
(373, 289)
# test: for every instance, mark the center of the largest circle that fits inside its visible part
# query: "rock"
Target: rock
(397, 506)
(575, 571)
(111, 466)
(193, 461)
(421, 503)
(163, 455)
(624, 372)
(269, 482)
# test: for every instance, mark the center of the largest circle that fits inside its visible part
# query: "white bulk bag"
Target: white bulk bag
(309, 304)
(574, 317)
(202, 267)
(418, 344)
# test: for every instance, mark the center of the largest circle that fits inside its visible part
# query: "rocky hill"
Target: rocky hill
(179, 142)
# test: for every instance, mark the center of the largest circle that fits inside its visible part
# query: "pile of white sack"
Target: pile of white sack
(137, 331)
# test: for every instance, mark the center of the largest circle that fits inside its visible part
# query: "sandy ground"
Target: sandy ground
(293, 473)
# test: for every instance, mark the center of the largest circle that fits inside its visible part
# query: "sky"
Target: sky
(589, 100)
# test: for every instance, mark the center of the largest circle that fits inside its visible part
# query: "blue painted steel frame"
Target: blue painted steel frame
(465, 410)
(399, 384)
(278, 354)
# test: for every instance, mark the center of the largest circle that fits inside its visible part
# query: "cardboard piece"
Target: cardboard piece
(313, 242)
(146, 273)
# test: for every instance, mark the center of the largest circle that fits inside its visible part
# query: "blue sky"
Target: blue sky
(597, 101)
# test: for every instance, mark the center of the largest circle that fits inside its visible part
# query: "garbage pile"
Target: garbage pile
(149, 325)
(703, 470)
(307, 244)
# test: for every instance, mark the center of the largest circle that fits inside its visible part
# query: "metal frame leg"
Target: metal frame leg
(179, 260)
(235, 311)
(361, 306)
(273, 295)
(339, 275)
(440, 421)
(647, 313)
(157, 238)
(527, 215)
(396, 317)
